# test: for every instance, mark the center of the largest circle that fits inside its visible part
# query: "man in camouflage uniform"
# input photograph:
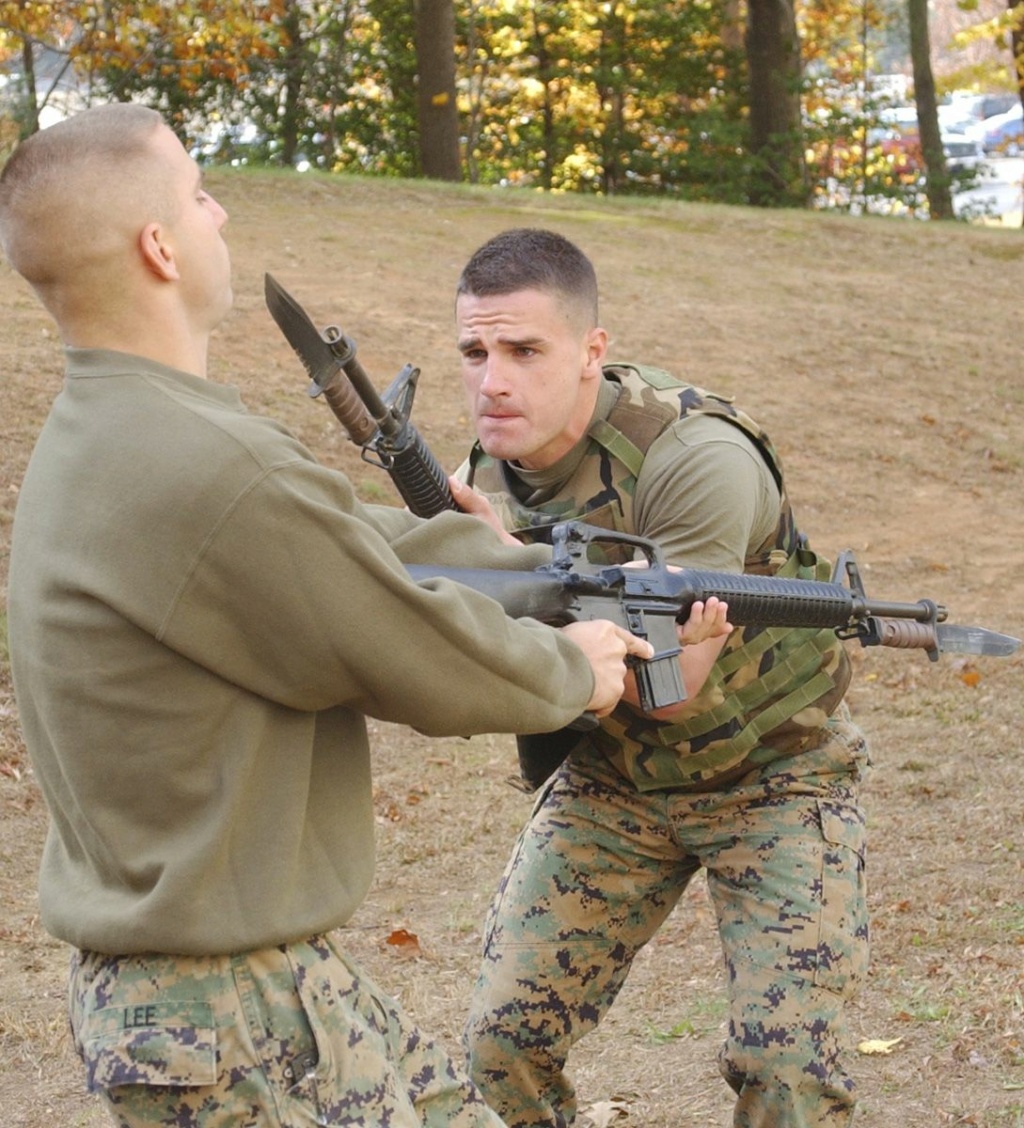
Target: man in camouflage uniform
(754, 778)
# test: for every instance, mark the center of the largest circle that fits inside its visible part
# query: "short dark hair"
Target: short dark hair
(531, 258)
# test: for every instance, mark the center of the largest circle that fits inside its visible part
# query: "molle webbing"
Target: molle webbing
(764, 717)
(771, 689)
(617, 445)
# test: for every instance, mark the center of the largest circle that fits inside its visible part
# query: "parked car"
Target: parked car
(964, 153)
(1003, 135)
(900, 144)
(977, 107)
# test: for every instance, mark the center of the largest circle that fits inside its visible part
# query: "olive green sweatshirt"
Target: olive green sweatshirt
(200, 616)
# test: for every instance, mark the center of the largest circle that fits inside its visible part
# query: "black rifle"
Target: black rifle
(646, 601)
(651, 600)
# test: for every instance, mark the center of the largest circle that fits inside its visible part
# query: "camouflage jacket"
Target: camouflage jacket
(771, 689)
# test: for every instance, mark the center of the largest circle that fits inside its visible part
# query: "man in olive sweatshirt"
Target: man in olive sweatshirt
(200, 618)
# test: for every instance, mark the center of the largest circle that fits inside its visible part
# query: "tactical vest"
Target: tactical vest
(772, 688)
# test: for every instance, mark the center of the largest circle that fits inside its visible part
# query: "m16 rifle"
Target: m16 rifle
(647, 601)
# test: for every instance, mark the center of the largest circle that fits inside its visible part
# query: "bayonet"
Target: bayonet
(379, 424)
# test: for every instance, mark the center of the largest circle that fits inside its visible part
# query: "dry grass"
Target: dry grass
(885, 359)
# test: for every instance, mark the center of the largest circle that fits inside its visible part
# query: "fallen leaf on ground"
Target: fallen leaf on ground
(878, 1045)
(602, 1113)
(406, 943)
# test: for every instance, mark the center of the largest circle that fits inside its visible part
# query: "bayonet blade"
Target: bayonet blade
(317, 356)
(952, 638)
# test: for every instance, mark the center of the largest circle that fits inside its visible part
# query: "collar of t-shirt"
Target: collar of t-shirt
(535, 487)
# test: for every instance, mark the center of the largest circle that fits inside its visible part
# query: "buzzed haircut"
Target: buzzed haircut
(531, 258)
(112, 140)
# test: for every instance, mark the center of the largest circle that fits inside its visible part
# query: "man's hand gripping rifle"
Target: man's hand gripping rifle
(647, 601)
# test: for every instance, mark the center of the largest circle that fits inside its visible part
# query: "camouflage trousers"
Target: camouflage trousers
(598, 869)
(293, 1036)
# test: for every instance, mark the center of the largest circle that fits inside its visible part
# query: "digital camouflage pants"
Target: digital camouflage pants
(600, 866)
(291, 1036)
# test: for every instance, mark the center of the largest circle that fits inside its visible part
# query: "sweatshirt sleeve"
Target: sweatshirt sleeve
(300, 595)
(450, 539)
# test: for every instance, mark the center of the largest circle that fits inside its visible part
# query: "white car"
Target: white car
(964, 153)
(1003, 134)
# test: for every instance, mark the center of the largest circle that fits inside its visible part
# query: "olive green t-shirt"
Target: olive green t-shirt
(705, 494)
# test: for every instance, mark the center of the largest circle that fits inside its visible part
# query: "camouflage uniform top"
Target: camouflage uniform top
(771, 689)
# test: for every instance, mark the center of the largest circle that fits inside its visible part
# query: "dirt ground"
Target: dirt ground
(884, 356)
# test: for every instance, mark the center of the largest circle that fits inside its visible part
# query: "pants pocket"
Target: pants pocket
(167, 1044)
(843, 937)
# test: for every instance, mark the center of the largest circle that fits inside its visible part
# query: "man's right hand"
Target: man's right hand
(606, 646)
(469, 501)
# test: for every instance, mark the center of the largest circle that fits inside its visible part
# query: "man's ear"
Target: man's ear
(596, 348)
(157, 253)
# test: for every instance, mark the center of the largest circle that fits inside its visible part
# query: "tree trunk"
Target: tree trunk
(612, 69)
(937, 178)
(1017, 47)
(437, 112)
(294, 65)
(28, 69)
(779, 177)
(546, 79)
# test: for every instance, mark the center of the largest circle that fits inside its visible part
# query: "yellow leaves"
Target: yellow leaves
(43, 21)
(987, 30)
(182, 43)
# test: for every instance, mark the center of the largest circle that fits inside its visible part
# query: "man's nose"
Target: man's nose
(493, 382)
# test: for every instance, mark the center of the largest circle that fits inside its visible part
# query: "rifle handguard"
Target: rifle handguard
(418, 476)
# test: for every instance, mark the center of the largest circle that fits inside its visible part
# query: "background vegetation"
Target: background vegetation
(719, 100)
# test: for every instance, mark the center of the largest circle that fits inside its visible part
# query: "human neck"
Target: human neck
(161, 335)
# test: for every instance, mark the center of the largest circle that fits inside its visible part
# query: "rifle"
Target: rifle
(649, 601)
(646, 601)
(379, 424)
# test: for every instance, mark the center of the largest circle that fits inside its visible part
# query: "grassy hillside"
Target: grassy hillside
(884, 358)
